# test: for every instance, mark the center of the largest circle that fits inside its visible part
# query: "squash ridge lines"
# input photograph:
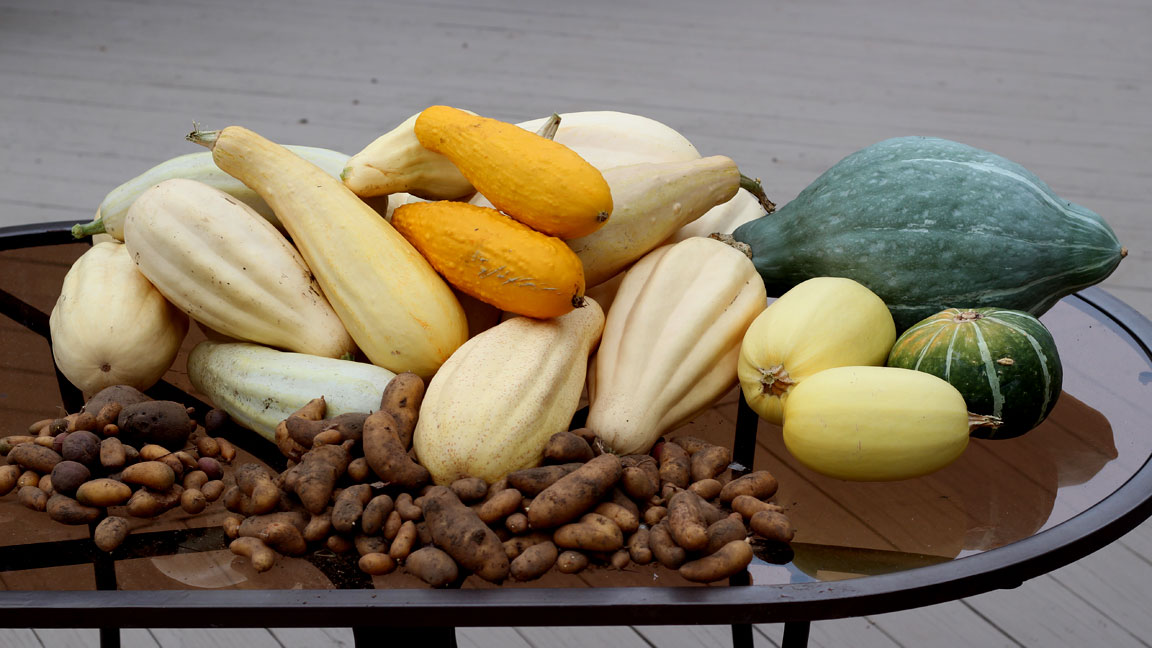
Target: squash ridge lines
(990, 371)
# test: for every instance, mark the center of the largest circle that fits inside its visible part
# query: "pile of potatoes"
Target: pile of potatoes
(354, 485)
(122, 454)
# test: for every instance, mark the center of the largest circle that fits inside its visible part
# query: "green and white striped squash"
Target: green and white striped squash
(1004, 363)
(928, 224)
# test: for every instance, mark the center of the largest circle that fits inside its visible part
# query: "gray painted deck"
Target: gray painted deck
(93, 92)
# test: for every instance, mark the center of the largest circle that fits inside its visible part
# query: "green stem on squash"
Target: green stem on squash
(551, 125)
(753, 186)
(80, 230)
(203, 138)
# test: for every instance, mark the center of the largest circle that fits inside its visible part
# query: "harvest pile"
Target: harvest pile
(516, 271)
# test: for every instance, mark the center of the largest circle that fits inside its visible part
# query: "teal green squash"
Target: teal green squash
(928, 224)
(1004, 363)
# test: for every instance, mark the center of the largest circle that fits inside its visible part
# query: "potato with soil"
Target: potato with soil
(387, 455)
(575, 493)
(729, 560)
(82, 447)
(593, 532)
(534, 562)
(760, 484)
(401, 399)
(433, 566)
(566, 447)
(156, 475)
(67, 476)
(65, 510)
(103, 492)
(532, 481)
(317, 473)
(164, 423)
(110, 533)
(772, 525)
(457, 529)
(31, 456)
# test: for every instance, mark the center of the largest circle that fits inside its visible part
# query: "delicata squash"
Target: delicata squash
(400, 313)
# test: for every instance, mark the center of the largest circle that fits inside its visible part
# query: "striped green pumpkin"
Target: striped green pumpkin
(1004, 362)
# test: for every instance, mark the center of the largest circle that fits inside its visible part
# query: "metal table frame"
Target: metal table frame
(432, 614)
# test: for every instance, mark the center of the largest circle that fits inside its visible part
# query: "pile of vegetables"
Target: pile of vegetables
(515, 272)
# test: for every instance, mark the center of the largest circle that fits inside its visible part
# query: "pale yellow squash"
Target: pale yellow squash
(875, 423)
(671, 340)
(492, 407)
(820, 323)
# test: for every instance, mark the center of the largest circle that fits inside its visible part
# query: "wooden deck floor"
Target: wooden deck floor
(95, 91)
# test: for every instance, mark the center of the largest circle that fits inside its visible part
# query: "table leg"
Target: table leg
(796, 634)
(436, 637)
(741, 635)
(109, 637)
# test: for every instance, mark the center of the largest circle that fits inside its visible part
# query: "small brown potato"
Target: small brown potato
(110, 430)
(231, 526)
(34, 457)
(469, 489)
(710, 511)
(211, 467)
(377, 564)
(729, 560)
(620, 559)
(173, 462)
(227, 450)
(256, 482)
(153, 452)
(81, 421)
(493, 488)
(706, 488)
(675, 466)
(686, 522)
(626, 519)
(407, 509)
(375, 512)
(664, 549)
(56, 442)
(392, 524)
(721, 532)
(284, 538)
(35, 428)
(67, 476)
(65, 510)
(366, 544)
(192, 500)
(33, 497)
(146, 503)
(207, 446)
(747, 506)
(110, 533)
(535, 561)
(212, 489)
(107, 416)
(772, 526)
(9, 473)
(259, 554)
(327, 436)
(359, 471)
(516, 545)
(760, 484)
(112, 454)
(424, 533)
(254, 525)
(317, 474)
(387, 453)
(404, 542)
(575, 493)
(594, 532)
(160, 422)
(28, 478)
(339, 544)
(402, 398)
(516, 523)
(189, 462)
(532, 481)
(566, 447)
(571, 562)
(457, 529)
(691, 444)
(215, 420)
(318, 527)
(638, 547)
(194, 479)
(56, 427)
(153, 474)
(45, 483)
(9, 442)
(122, 395)
(349, 506)
(131, 454)
(500, 506)
(653, 515)
(433, 566)
(103, 492)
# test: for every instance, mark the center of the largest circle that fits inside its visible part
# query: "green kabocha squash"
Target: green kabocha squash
(928, 224)
(1004, 363)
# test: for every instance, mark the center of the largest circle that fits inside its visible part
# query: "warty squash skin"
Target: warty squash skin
(400, 313)
(537, 181)
(671, 341)
(218, 261)
(493, 406)
(651, 202)
(875, 423)
(259, 386)
(110, 326)
(495, 259)
(821, 323)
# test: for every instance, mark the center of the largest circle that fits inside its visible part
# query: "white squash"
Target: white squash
(499, 398)
(218, 261)
(110, 326)
(671, 340)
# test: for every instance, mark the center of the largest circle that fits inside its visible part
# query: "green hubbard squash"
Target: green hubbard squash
(1003, 362)
(929, 224)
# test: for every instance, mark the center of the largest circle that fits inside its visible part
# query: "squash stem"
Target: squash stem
(80, 230)
(551, 125)
(986, 421)
(203, 138)
(753, 186)
(775, 381)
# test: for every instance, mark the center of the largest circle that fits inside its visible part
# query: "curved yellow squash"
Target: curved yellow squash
(820, 323)
(875, 423)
